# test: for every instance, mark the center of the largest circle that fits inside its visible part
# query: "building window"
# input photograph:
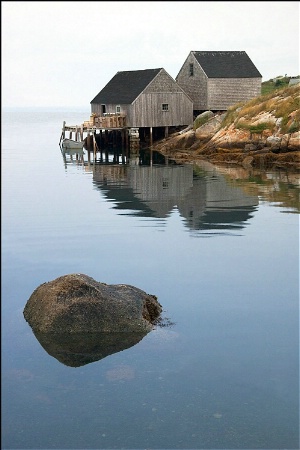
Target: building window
(191, 70)
(165, 107)
(118, 109)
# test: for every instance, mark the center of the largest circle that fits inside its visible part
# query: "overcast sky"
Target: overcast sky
(64, 53)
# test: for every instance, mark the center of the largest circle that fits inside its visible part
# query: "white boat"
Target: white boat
(70, 144)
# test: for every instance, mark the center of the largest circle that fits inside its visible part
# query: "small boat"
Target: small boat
(70, 144)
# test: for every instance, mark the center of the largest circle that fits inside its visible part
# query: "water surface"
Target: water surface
(220, 250)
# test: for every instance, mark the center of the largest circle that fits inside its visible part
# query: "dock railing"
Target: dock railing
(108, 120)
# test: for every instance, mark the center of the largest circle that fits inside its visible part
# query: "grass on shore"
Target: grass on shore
(282, 103)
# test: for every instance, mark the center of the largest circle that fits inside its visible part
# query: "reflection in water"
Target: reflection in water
(72, 156)
(280, 187)
(79, 349)
(227, 376)
(207, 197)
(205, 201)
(166, 185)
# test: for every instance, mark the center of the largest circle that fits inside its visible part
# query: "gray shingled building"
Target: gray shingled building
(147, 98)
(216, 80)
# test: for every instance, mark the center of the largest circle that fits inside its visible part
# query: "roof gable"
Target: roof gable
(125, 86)
(234, 64)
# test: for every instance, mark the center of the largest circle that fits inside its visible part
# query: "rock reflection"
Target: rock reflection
(79, 349)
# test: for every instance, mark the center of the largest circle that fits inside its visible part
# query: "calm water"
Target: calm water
(220, 250)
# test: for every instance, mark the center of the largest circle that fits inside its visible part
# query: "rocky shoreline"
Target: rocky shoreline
(259, 159)
(263, 134)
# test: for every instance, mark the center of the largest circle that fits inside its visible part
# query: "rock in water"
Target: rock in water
(76, 303)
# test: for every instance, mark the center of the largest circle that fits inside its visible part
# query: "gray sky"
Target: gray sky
(63, 53)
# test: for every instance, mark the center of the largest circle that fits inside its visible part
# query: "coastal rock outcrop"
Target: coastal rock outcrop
(262, 133)
(76, 303)
(208, 129)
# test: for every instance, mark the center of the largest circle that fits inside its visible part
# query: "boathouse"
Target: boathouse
(216, 80)
(134, 109)
(148, 98)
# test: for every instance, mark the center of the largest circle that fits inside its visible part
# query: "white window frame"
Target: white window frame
(165, 107)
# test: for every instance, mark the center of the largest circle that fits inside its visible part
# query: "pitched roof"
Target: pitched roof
(236, 64)
(124, 87)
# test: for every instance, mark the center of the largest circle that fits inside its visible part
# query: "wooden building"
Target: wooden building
(145, 98)
(216, 80)
(134, 109)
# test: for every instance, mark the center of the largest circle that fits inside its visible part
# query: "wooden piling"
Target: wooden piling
(88, 141)
(151, 144)
(123, 144)
(63, 132)
(94, 147)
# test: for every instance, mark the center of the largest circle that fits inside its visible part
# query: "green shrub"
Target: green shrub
(260, 127)
(274, 84)
(202, 119)
(294, 127)
(256, 129)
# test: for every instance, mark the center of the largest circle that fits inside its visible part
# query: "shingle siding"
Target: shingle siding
(195, 86)
(147, 110)
(144, 107)
(206, 81)
(225, 92)
(162, 83)
(220, 79)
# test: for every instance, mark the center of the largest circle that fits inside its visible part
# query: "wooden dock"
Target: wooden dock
(99, 132)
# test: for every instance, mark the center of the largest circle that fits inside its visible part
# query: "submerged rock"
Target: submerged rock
(76, 303)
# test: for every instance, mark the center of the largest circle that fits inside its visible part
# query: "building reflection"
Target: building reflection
(205, 200)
